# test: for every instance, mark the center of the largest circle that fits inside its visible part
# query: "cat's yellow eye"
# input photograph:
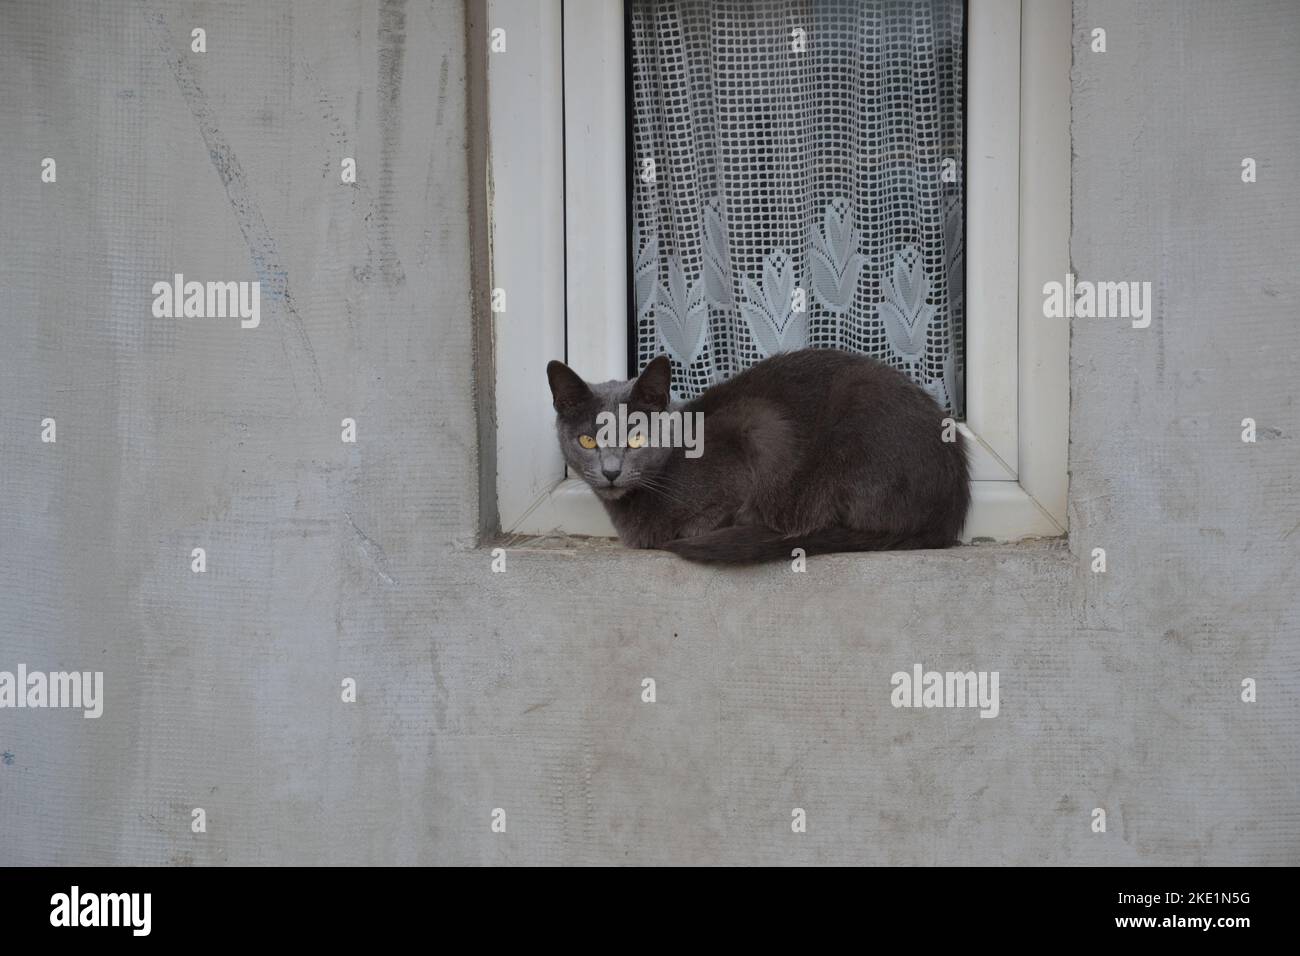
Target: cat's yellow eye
(635, 440)
(586, 441)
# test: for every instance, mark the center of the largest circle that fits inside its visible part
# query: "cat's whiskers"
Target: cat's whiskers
(667, 482)
(657, 486)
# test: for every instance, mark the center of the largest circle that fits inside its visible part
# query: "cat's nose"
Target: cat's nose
(611, 473)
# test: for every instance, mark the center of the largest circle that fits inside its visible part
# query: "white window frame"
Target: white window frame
(558, 250)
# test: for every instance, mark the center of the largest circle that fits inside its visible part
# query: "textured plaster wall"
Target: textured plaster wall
(522, 690)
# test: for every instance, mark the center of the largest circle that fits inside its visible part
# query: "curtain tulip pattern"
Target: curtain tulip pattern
(798, 182)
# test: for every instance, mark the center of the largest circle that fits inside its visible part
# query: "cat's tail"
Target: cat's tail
(747, 543)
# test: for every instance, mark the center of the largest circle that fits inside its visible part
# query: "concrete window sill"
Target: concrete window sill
(568, 545)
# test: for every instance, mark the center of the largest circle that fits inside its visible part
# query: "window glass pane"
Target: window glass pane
(797, 182)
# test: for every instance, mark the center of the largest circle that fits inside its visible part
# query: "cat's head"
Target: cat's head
(612, 464)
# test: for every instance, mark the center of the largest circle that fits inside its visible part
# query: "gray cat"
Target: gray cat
(816, 449)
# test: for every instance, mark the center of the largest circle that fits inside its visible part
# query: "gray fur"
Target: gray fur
(816, 449)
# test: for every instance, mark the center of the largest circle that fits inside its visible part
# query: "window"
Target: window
(560, 253)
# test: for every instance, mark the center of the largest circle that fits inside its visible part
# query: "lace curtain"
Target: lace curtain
(798, 183)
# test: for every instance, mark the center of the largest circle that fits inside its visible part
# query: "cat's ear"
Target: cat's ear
(568, 391)
(652, 386)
